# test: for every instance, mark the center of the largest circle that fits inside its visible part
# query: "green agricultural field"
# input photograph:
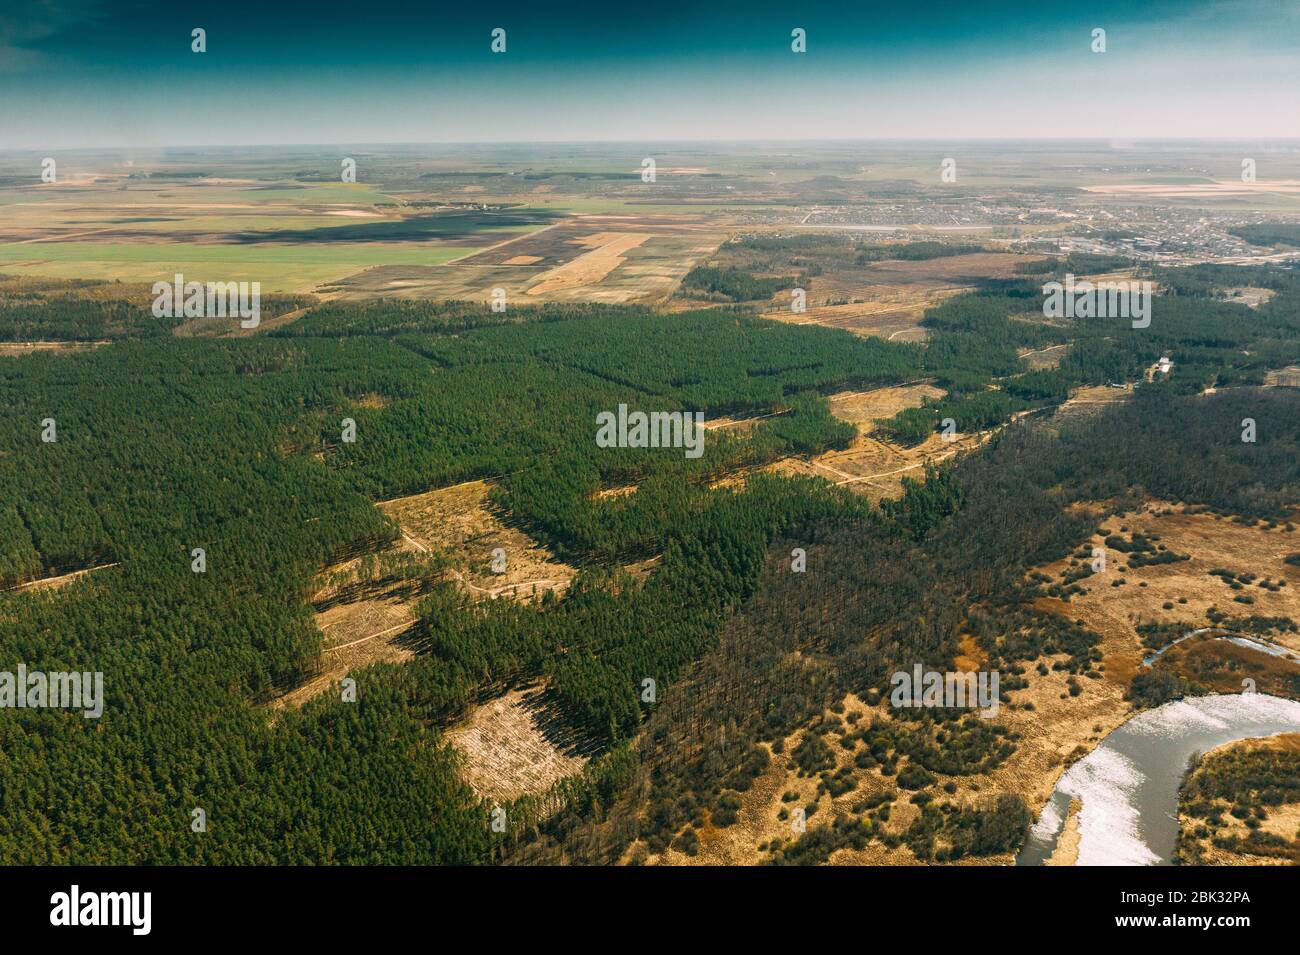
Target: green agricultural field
(289, 268)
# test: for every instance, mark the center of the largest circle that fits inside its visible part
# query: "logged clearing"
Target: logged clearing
(849, 301)
(365, 611)
(232, 327)
(889, 299)
(513, 747)
(1249, 295)
(881, 319)
(1049, 357)
(383, 646)
(864, 408)
(1284, 377)
(1092, 399)
(871, 465)
(366, 605)
(459, 521)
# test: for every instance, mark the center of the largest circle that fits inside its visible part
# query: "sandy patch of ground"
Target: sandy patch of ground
(54, 583)
(522, 260)
(25, 348)
(512, 748)
(1067, 845)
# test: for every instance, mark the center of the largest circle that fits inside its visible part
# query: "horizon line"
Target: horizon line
(672, 141)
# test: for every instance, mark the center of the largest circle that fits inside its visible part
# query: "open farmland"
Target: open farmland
(290, 236)
(607, 259)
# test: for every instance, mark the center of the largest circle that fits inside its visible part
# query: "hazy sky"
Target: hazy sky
(86, 73)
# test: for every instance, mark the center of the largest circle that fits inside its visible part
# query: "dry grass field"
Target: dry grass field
(607, 252)
(1197, 190)
(1211, 542)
